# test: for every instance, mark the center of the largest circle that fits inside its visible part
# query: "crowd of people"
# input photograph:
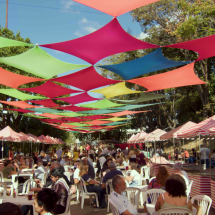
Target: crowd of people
(95, 166)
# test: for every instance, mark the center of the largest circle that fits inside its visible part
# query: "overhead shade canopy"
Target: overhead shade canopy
(19, 104)
(204, 46)
(155, 135)
(72, 114)
(143, 98)
(73, 108)
(5, 42)
(105, 103)
(44, 110)
(94, 117)
(45, 103)
(74, 119)
(51, 90)
(97, 122)
(123, 113)
(114, 123)
(14, 80)
(86, 79)
(115, 119)
(98, 112)
(80, 98)
(113, 7)
(21, 110)
(132, 136)
(19, 95)
(201, 128)
(174, 132)
(152, 62)
(108, 40)
(52, 120)
(49, 115)
(34, 116)
(77, 124)
(115, 90)
(183, 76)
(40, 63)
(131, 107)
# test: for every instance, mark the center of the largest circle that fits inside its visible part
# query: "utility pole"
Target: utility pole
(6, 21)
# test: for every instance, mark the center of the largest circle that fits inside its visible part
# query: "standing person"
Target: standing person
(75, 154)
(192, 159)
(10, 153)
(132, 155)
(59, 153)
(205, 154)
(140, 158)
(87, 147)
(66, 152)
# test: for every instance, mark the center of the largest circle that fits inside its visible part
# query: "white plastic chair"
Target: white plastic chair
(85, 192)
(44, 178)
(3, 191)
(66, 167)
(95, 170)
(174, 211)
(108, 184)
(94, 164)
(78, 190)
(151, 179)
(146, 172)
(142, 188)
(113, 208)
(153, 194)
(133, 195)
(67, 211)
(26, 186)
(204, 201)
(1, 177)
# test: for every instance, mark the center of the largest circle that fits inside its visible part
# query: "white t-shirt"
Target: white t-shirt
(122, 204)
(136, 175)
(39, 172)
(204, 152)
(102, 160)
(125, 163)
(76, 174)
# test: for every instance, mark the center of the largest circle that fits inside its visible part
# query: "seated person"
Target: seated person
(175, 195)
(22, 163)
(65, 160)
(45, 201)
(135, 178)
(113, 171)
(91, 171)
(40, 171)
(90, 186)
(140, 158)
(126, 161)
(120, 201)
(160, 180)
(8, 170)
(45, 157)
(105, 167)
(76, 176)
(10, 209)
(35, 157)
(119, 160)
(53, 155)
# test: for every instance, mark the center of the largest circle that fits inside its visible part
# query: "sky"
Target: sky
(51, 21)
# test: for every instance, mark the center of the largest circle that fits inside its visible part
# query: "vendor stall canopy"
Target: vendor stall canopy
(66, 101)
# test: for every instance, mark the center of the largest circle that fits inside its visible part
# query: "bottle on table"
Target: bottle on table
(14, 193)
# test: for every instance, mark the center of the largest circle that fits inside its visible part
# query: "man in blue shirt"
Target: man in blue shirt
(65, 160)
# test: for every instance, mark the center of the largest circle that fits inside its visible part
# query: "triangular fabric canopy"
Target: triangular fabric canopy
(143, 98)
(52, 120)
(74, 119)
(34, 116)
(97, 122)
(134, 140)
(25, 137)
(115, 7)
(94, 117)
(114, 123)
(115, 119)
(71, 114)
(5, 42)
(21, 110)
(44, 139)
(132, 136)
(201, 128)
(73, 108)
(205, 46)
(126, 112)
(38, 62)
(152, 62)
(86, 79)
(155, 135)
(35, 137)
(19, 95)
(44, 110)
(183, 76)
(45, 103)
(141, 136)
(19, 104)
(131, 107)
(80, 98)
(51, 90)
(77, 124)
(174, 133)
(8, 134)
(115, 90)
(108, 40)
(14, 80)
(98, 112)
(105, 103)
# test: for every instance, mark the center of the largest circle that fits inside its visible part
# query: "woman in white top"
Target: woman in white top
(135, 178)
(132, 155)
(126, 161)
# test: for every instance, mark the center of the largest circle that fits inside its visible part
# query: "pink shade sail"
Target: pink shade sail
(21, 110)
(155, 135)
(80, 98)
(52, 141)
(36, 139)
(98, 122)
(212, 130)
(86, 79)
(205, 46)
(183, 76)
(174, 133)
(201, 128)
(115, 7)
(19, 104)
(46, 103)
(141, 137)
(50, 90)
(8, 134)
(108, 40)
(14, 80)
(74, 108)
(67, 125)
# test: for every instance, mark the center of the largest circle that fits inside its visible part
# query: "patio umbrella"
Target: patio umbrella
(128, 141)
(141, 136)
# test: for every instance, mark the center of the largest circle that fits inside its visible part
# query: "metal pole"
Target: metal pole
(6, 21)
(173, 146)
(2, 149)
(183, 148)
(155, 150)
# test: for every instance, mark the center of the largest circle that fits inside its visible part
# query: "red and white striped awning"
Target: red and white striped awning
(174, 133)
(201, 128)
(155, 135)
(141, 137)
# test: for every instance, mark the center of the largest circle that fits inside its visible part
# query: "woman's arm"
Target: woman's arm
(129, 178)
(93, 182)
(189, 205)
(159, 203)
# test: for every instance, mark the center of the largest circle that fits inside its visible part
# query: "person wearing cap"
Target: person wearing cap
(65, 160)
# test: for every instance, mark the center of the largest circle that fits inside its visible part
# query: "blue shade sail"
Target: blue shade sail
(152, 62)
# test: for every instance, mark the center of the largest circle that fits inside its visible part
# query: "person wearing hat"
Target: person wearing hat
(65, 160)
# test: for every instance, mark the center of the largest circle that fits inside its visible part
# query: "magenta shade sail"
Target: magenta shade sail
(74, 108)
(86, 79)
(83, 97)
(50, 90)
(108, 40)
(204, 46)
(46, 103)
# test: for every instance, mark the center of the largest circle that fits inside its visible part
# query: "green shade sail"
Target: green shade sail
(97, 112)
(143, 98)
(44, 110)
(114, 123)
(5, 42)
(71, 114)
(19, 95)
(78, 124)
(38, 62)
(131, 107)
(115, 119)
(102, 104)
(34, 116)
